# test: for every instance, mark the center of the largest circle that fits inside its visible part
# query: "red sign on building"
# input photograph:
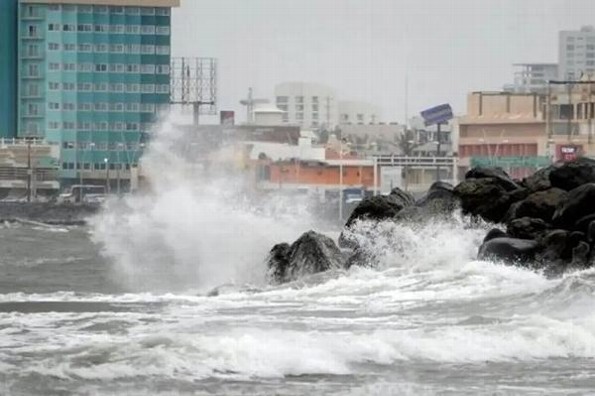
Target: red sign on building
(568, 152)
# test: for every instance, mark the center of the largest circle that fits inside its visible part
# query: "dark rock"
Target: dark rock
(509, 250)
(527, 228)
(381, 207)
(573, 174)
(554, 246)
(310, 254)
(579, 203)
(539, 180)
(541, 204)
(487, 198)
(580, 255)
(440, 198)
(493, 173)
(278, 261)
(583, 223)
(591, 233)
(493, 234)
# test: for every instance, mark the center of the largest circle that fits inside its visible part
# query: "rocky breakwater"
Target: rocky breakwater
(545, 222)
(47, 213)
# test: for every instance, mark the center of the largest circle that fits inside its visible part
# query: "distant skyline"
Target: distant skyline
(366, 49)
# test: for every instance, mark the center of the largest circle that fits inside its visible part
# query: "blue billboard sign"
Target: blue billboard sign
(437, 115)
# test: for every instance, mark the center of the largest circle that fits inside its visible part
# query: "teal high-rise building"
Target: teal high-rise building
(92, 77)
(8, 68)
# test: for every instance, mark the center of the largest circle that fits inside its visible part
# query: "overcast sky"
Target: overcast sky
(366, 48)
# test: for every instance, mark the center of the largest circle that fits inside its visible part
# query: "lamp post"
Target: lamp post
(107, 186)
(119, 166)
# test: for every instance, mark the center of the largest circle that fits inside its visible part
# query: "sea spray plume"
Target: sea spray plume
(190, 229)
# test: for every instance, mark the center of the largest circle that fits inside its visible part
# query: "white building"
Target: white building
(532, 77)
(351, 112)
(307, 104)
(267, 114)
(577, 53)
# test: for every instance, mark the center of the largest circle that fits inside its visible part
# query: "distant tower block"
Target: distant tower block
(250, 102)
(194, 82)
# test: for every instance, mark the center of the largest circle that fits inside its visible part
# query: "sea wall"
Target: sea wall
(49, 213)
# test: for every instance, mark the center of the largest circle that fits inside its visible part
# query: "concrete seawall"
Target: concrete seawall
(48, 213)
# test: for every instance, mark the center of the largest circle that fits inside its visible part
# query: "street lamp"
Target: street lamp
(119, 165)
(107, 186)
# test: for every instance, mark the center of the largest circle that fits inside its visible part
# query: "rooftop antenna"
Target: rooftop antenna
(250, 102)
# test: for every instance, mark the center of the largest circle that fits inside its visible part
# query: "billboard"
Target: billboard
(437, 115)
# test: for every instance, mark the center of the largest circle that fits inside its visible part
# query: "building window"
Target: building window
(101, 28)
(67, 86)
(116, 48)
(299, 108)
(53, 125)
(282, 99)
(299, 99)
(147, 11)
(119, 29)
(99, 9)
(68, 106)
(315, 107)
(85, 67)
(162, 49)
(54, 66)
(148, 88)
(100, 48)
(85, 27)
(162, 69)
(162, 30)
(53, 86)
(315, 99)
(85, 9)
(162, 88)
(33, 90)
(101, 67)
(116, 10)
(69, 47)
(132, 29)
(32, 109)
(69, 66)
(32, 31)
(133, 10)
(299, 116)
(54, 7)
(53, 46)
(85, 48)
(32, 128)
(147, 29)
(68, 8)
(34, 70)
(162, 11)
(53, 27)
(68, 28)
(147, 49)
(53, 106)
(147, 69)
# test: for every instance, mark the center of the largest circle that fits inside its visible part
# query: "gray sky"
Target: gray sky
(365, 48)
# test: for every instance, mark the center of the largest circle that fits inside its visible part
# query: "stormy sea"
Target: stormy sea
(167, 294)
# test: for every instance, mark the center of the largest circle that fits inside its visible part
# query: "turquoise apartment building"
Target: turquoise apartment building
(93, 76)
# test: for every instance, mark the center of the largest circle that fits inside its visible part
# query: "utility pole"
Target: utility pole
(341, 179)
(438, 152)
(29, 171)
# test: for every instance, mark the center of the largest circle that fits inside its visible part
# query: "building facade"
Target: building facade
(93, 76)
(352, 112)
(8, 68)
(532, 77)
(307, 105)
(503, 129)
(577, 53)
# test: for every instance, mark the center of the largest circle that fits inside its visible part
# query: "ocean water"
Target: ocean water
(166, 294)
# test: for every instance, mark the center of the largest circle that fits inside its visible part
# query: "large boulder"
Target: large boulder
(509, 250)
(381, 207)
(493, 173)
(579, 203)
(573, 174)
(487, 198)
(527, 228)
(541, 204)
(539, 180)
(440, 198)
(310, 254)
